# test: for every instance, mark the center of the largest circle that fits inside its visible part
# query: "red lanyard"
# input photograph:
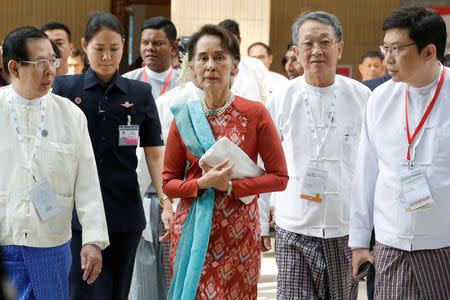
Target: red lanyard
(144, 74)
(425, 115)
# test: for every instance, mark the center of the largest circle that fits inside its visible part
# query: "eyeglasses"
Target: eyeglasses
(394, 50)
(42, 64)
(323, 45)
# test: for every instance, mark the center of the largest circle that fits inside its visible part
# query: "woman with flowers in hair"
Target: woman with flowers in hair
(216, 237)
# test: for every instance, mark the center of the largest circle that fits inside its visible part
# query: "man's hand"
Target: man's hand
(167, 219)
(91, 262)
(265, 244)
(360, 256)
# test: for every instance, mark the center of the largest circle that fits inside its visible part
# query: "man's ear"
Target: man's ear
(429, 52)
(340, 48)
(296, 51)
(13, 68)
(174, 48)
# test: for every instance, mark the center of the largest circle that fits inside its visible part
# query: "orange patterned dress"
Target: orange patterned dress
(233, 258)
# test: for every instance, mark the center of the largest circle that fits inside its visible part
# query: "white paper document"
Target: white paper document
(244, 167)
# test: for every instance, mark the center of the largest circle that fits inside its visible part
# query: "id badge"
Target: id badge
(128, 135)
(313, 185)
(44, 200)
(415, 189)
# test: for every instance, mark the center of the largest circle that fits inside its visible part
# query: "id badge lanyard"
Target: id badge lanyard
(37, 143)
(144, 75)
(319, 140)
(409, 156)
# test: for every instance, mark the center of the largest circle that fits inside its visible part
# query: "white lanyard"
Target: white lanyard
(312, 125)
(37, 143)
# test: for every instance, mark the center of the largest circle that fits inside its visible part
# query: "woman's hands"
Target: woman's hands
(217, 177)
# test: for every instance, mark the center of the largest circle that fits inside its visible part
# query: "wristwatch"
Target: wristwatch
(230, 188)
(164, 198)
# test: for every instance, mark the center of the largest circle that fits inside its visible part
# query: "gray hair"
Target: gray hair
(320, 16)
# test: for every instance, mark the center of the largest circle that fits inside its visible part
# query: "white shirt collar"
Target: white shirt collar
(157, 76)
(320, 90)
(22, 100)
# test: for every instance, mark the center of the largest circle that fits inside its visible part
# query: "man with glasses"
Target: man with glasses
(401, 184)
(318, 118)
(47, 166)
(60, 35)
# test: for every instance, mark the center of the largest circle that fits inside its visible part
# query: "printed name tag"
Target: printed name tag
(313, 185)
(44, 200)
(415, 189)
(128, 135)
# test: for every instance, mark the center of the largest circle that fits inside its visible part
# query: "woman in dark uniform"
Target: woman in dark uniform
(115, 107)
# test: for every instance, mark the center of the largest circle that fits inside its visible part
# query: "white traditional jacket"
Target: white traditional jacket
(65, 159)
(377, 195)
(330, 218)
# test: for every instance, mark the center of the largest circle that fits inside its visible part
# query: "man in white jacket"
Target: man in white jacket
(318, 118)
(47, 167)
(401, 183)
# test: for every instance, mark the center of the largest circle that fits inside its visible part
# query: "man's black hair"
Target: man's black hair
(14, 46)
(161, 23)
(425, 27)
(371, 54)
(57, 25)
(231, 26)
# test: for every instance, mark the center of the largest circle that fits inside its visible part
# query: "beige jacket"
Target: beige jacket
(65, 158)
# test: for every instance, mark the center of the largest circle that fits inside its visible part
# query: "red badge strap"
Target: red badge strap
(425, 115)
(144, 75)
(167, 82)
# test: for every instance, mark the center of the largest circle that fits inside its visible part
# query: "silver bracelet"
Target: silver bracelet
(230, 188)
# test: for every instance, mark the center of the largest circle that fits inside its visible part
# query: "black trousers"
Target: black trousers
(117, 268)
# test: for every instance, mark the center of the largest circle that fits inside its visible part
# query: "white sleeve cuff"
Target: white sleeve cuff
(264, 213)
(265, 229)
(359, 238)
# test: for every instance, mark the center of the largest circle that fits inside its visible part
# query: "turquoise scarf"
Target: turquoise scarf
(191, 252)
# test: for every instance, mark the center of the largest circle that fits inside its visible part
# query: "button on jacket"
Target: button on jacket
(65, 159)
(377, 196)
(107, 106)
(330, 218)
